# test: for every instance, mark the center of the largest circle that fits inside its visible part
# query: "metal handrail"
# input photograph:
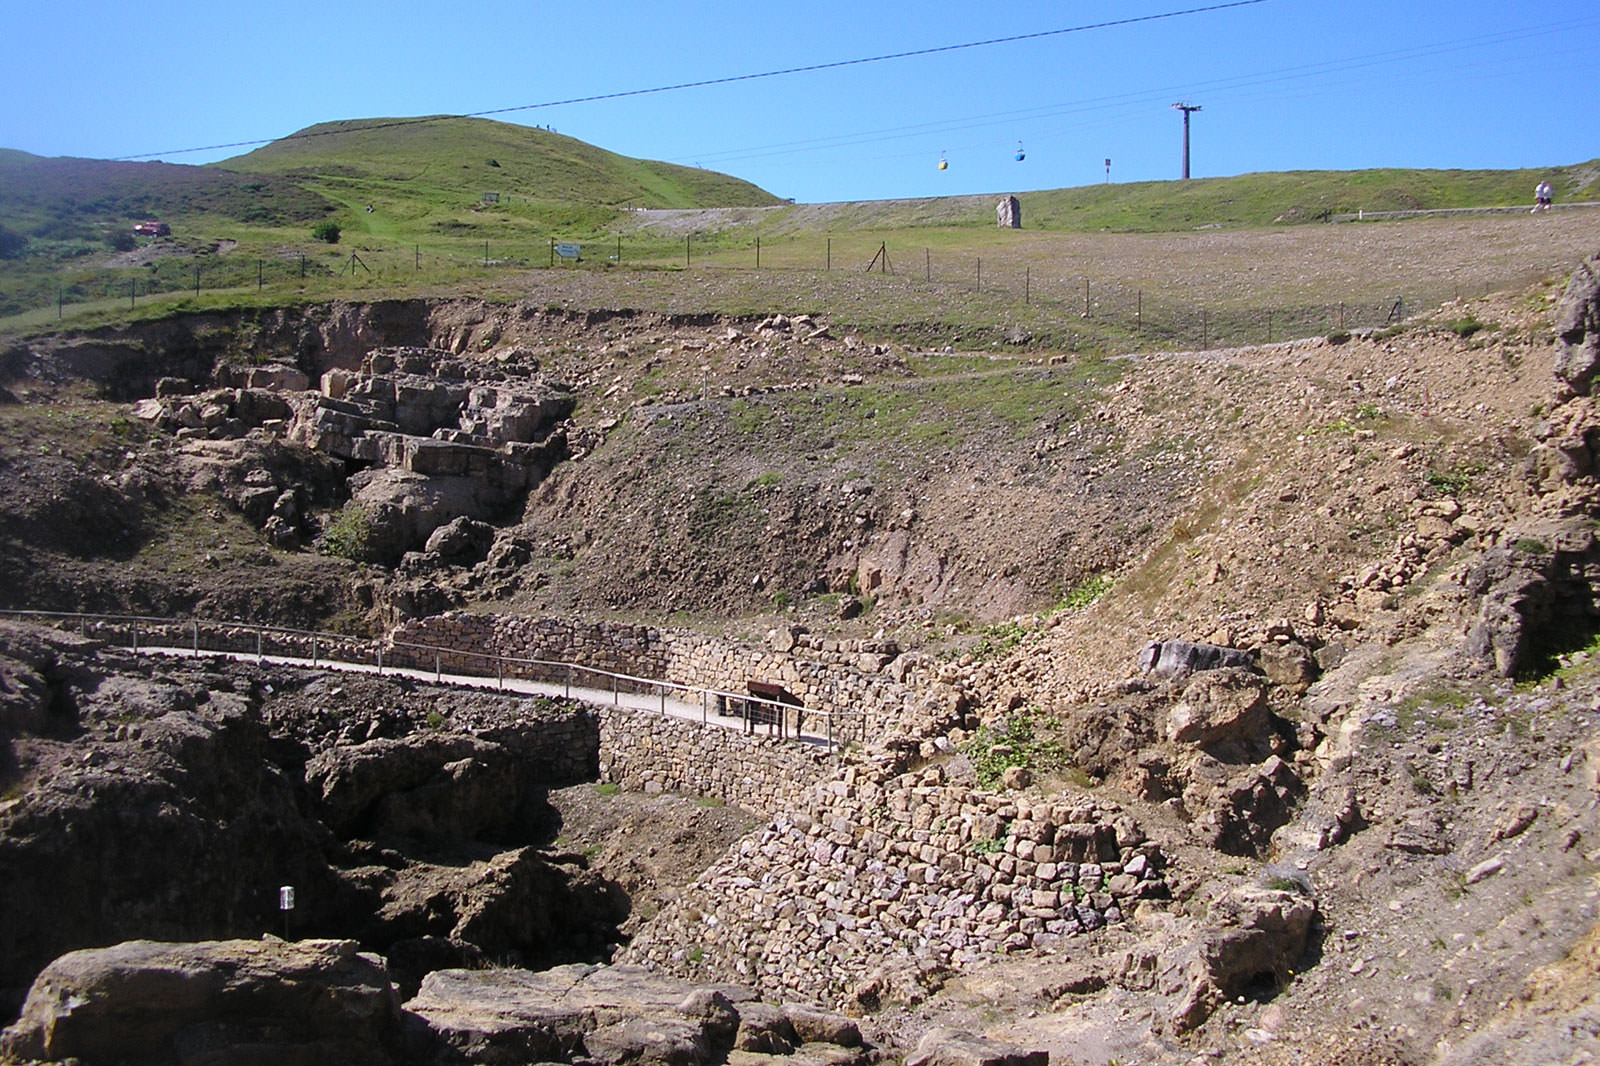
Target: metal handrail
(500, 660)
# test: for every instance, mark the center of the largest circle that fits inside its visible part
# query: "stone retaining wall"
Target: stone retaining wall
(645, 752)
(880, 877)
(868, 688)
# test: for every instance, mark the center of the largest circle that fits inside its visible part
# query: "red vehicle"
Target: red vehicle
(151, 229)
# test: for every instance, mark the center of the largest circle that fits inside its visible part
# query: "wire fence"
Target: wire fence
(1050, 300)
(198, 637)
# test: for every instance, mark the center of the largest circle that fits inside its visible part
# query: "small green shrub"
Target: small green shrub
(349, 535)
(1530, 546)
(608, 788)
(326, 231)
(1465, 327)
(1086, 594)
(1013, 742)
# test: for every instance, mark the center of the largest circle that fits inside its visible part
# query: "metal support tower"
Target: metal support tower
(1186, 109)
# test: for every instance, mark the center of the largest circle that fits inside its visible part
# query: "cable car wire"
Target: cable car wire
(727, 80)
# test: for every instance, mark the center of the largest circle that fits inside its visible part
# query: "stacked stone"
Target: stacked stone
(652, 753)
(902, 872)
(470, 643)
(867, 688)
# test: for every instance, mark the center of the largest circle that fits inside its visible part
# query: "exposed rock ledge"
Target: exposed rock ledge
(324, 1001)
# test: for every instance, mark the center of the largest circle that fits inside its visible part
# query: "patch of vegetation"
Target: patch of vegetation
(1530, 546)
(1465, 327)
(1018, 740)
(999, 639)
(327, 231)
(608, 788)
(1087, 593)
(1454, 481)
(350, 535)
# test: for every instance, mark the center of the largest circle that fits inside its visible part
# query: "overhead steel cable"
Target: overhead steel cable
(707, 82)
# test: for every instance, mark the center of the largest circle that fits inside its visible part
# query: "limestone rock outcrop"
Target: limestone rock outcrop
(620, 1014)
(214, 1002)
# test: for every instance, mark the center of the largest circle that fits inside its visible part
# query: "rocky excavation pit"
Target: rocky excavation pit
(1345, 811)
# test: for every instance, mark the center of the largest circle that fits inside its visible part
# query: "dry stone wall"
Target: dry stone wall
(880, 876)
(869, 689)
(652, 753)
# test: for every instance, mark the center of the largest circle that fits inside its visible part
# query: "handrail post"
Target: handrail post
(194, 631)
(616, 691)
(437, 673)
(136, 636)
(313, 649)
(499, 673)
(830, 730)
(663, 699)
(259, 657)
(380, 660)
(569, 681)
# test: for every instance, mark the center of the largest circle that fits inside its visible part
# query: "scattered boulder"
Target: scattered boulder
(210, 1002)
(1578, 326)
(952, 1047)
(1221, 709)
(1180, 658)
(1251, 935)
(617, 1015)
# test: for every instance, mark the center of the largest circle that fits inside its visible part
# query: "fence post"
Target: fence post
(927, 259)
(1269, 327)
(830, 254)
(499, 673)
(1085, 297)
(1138, 313)
(758, 253)
(437, 673)
(1027, 285)
(1203, 337)
(380, 660)
(685, 249)
(979, 287)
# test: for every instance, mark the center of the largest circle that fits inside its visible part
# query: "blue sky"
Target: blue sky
(1283, 84)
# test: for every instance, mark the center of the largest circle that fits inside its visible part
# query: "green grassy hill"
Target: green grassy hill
(409, 197)
(448, 158)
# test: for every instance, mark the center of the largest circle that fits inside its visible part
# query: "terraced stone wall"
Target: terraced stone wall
(881, 877)
(869, 689)
(645, 752)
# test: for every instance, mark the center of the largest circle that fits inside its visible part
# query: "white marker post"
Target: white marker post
(286, 904)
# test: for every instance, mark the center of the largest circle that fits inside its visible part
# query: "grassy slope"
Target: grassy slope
(429, 227)
(449, 159)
